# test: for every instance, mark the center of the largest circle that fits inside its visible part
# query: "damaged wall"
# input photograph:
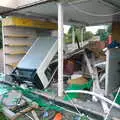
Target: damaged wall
(116, 28)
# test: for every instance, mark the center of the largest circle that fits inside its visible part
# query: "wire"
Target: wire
(106, 117)
(67, 110)
(29, 117)
(92, 14)
(73, 103)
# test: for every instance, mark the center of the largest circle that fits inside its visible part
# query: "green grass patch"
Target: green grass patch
(2, 117)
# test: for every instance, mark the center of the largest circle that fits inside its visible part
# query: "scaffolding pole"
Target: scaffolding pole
(3, 45)
(73, 37)
(60, 49)
(82, 43)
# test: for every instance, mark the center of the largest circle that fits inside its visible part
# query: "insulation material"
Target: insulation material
(80, 81)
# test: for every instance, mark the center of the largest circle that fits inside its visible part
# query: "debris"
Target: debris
(118, 97)
(69, 66)
(58, 116)
(34, 115)
(96, 47)
(77, 118)
(114, 44)
(45, 114)
(78, 81)
(26, 110)
(87, 85)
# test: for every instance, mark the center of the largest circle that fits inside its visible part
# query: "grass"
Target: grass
(2, 117)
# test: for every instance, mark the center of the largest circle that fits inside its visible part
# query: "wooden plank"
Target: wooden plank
(26, 110)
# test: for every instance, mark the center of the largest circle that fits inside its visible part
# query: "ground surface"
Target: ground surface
(2, 117)
(1, 61)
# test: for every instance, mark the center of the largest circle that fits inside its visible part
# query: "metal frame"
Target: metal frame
(60, 49)
(3, 48)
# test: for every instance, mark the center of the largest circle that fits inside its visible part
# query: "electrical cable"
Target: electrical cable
(73, 103)
(92, 14)
(67, 110)
(29, 117)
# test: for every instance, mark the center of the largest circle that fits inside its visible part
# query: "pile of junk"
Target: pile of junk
(91, 83)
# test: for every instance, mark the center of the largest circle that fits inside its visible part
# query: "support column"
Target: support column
(3, 44)
(82, 37)
(73, 37)
(60, 49)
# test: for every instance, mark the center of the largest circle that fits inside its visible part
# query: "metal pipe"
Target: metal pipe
(94, 94)
(73, 37)
(3, 47)
(81, 29)
(60, 49)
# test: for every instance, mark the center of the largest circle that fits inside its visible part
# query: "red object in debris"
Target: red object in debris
(58, 116)
(69, 67)
(110, 39)
(100, 45)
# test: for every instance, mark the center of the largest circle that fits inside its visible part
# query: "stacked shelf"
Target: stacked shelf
(16, 53)
(19, 35)
(18, 45)
(13, 65)
(17, 41)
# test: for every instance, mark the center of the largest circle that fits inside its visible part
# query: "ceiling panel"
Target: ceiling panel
(116, 3)
(4, 9)
(89, 12)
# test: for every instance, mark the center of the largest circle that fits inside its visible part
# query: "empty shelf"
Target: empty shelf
(16, 53)
(18, 45)
(13, 65)
(17, 36)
